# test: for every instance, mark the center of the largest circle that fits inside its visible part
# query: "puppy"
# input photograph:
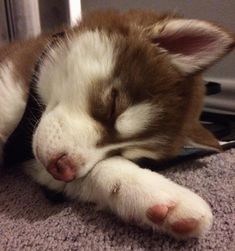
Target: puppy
(98, 96)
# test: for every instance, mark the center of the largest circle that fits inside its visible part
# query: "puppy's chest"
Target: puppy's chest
(12, 99)
(18, 147)
(19, 115)
(20, 106)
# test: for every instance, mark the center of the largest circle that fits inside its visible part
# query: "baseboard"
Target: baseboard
(223, 102)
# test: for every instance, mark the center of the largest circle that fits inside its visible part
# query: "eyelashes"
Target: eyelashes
(105, 106)
(113, 109)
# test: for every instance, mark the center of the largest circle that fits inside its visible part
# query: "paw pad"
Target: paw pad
(158, 213)
(184, 226)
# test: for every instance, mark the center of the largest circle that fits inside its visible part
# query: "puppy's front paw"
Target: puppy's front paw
(163, 205)
(186, 215)
(145, 197)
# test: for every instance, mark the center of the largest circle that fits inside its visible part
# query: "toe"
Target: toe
(184, 226)
(157, 213)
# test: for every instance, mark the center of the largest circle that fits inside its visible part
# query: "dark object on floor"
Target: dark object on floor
(54, 197)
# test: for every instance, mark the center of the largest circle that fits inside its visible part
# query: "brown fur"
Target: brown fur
(182, 97)
(151, 78)
(24, 55)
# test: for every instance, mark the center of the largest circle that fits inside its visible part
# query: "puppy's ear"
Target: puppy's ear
(193, 45)
(200, 137)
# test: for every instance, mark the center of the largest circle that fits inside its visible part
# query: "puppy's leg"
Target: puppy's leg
(12, 101)
(145, 197)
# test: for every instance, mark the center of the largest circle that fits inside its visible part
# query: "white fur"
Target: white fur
(205, 55)
(130, 191)
(61, 131)
(65, 82)
(133, 153)
(41, 176)
(70, 71)
(12, 101)
(136, 118)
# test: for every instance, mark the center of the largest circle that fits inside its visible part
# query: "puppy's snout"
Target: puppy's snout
(62, 168)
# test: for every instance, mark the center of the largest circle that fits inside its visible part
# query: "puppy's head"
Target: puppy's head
(122, 85)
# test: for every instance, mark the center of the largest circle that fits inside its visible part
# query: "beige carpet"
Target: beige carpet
(29, 222)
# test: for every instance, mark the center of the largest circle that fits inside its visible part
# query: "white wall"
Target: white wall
(25, 18)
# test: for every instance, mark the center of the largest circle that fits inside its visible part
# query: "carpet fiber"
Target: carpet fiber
(29, 222)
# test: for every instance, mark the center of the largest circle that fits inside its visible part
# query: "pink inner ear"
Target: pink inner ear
(186, 43)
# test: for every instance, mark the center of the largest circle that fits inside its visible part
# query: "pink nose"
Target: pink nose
(62, 168)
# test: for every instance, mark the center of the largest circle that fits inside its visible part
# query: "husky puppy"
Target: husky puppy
(113, 89)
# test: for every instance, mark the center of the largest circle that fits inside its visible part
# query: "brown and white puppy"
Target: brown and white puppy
(117, 87)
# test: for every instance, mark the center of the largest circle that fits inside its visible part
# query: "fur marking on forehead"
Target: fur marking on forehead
(93, 54)
(89, 56)
(136, 119)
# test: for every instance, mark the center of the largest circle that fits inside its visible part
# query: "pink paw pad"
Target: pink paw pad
(158, 213)
(184, 226)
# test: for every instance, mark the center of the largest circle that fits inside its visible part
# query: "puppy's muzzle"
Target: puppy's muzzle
(62, 168)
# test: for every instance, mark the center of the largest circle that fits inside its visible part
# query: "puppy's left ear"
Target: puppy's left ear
(193, 45)
(200, 137)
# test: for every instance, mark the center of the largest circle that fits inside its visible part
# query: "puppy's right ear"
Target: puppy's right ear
(193, 45)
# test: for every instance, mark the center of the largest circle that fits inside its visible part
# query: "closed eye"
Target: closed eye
(113, 108)
(104, 109)
(107, 104)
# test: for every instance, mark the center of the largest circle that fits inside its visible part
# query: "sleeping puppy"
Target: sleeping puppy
(96, 97)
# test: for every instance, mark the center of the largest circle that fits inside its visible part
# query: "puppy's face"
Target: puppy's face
(108, 93)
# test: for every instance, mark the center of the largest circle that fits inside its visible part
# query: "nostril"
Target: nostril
(61, 163)
(62, 168)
